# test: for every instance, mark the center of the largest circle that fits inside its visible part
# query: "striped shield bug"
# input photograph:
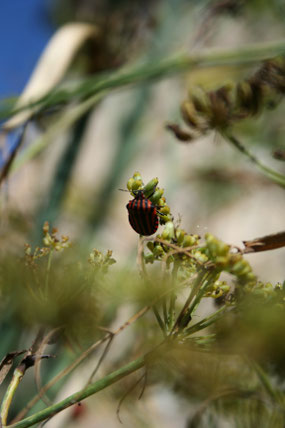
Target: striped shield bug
(142, 214)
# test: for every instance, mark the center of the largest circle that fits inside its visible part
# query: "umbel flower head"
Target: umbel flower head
(204, 111)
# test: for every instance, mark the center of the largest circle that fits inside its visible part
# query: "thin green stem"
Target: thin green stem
(159, 320)
(141, 264)
(81, 395)
(206, 322)
(249, 54)
(274, 393)
(197, 283)
(48, 271)
(164, 308)
(200, 294)
(270, 173)
(173, 296)
(10, 392)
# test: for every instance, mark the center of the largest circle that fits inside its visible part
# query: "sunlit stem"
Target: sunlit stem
(6, 403)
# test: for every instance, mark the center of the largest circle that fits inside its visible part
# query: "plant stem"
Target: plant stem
(10, 392)
(144, 274)
(159, 319)
(172, 296)
(194, 290)
(48, 272)
(200, 294)
(270, 173)
(206, 321)
(75, 363)
(249, 54)
(81, 395)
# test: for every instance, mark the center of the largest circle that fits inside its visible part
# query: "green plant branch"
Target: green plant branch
(206, 322)
(249, 54)
(159, 319)
(82, 394)
(10, 392)
(172, 298)
(270, 173)
(144, 274)
(196, 286)
(75, 363)
(210, 279)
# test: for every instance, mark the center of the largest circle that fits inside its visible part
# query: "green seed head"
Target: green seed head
(150, 187)
(189, 241)
(165, 210)
(155, 198)
(158, 250)
(168, 232)
(130, 184)
(180, 233)
(150, 245)
(137, 176)
(149, 258)
(165, 219)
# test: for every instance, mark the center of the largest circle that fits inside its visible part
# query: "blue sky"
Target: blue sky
(25, 28)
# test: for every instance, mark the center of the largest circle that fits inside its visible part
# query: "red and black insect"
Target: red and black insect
(142, 214)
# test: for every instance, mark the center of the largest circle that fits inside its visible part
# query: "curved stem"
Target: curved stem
(270, 173)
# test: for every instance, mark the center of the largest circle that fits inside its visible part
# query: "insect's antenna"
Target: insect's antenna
(123, 190)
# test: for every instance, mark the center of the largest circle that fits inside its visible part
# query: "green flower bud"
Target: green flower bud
(189, 241)
(201, 257)
(130, 184)
(149, 258)
(250, 277)
(150, 245)
(150, 186)
(137, 184)
(180, 233)
(134, 184)
(168, 232)
(223, 248)
(216, 247)
(268, 286)
(246, 269)
(156, 196)
(137, 176)
(165, 219)
(165, 210)
(238, 267)
(158, 250)
(221, 261)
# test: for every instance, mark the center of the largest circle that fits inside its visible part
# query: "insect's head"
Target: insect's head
(139, 194)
